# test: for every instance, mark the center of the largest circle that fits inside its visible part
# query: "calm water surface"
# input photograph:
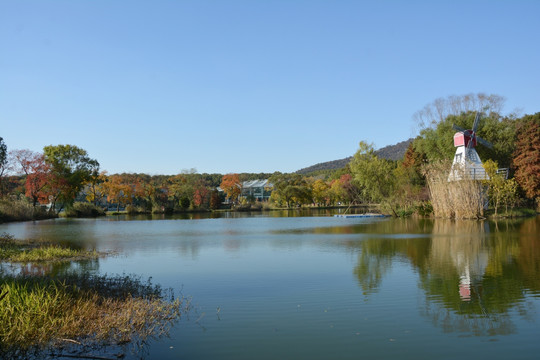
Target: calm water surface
(320, 287)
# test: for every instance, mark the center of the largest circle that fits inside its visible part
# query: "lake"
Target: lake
(290, 286)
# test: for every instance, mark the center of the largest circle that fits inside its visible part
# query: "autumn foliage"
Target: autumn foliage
(527, 156)
(232, 186)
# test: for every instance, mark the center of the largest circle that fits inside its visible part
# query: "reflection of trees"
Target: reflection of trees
(377, 254)
(371, 269)
(529, 256)
(471, 277)
(472, 272)
(52, 269)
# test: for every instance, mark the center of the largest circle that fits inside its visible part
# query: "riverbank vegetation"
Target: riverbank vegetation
(21, 252)
(78, 313)
(73, 314)
(64, 177)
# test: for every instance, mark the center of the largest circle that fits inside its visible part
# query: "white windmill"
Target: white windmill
(467, 163)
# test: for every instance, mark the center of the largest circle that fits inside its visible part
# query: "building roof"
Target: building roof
(256, 184)
(253, 184)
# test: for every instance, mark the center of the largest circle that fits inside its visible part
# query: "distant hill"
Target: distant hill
(394, 152)
(390, 152)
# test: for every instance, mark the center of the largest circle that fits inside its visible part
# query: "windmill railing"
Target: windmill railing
(503, 172)
(468, 173)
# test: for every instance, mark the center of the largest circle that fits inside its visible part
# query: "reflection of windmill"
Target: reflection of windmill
(467, 163)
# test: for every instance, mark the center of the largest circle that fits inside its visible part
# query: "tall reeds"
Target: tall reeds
(19, 209)
(459, 199)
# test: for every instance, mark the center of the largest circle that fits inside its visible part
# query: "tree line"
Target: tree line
(64, 174)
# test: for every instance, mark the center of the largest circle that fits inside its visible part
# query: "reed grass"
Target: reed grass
(463, 199)
(19, 209)
(84, 209)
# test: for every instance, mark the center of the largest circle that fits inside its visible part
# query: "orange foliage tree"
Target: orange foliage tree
(231, 185)
(118, 191)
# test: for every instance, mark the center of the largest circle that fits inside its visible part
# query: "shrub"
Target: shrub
(424, 208)
(132, 209)
(84, 209)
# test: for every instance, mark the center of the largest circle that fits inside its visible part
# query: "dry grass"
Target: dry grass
(463, 199)
(19, 209)
(40, 313)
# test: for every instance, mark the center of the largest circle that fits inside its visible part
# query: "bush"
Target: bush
(424, 209)
(84, 209)
(19, 209)
(132, 209)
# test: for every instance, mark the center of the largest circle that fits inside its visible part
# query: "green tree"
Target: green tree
(501, 191)
(320, 192)
(336, 192)
(3, 164)
(71, 169)
(181, 190)
(373, 175)
(290, 189)
(435, 122)
(436, 142)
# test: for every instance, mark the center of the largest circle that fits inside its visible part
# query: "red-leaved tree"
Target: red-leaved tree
(32, 164)
(527, 155)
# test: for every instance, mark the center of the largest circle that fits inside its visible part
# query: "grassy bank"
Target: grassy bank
(81, 313)
(12, 250)
(39, 314)
(512, 213)
(19, 209)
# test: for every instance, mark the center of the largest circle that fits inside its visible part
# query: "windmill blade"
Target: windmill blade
(484, 142)
(457, 128)
(476, 121)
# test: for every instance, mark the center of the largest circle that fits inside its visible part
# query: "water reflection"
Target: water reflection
(475, 278)
(48, 268)
(281, 213)
(473, 273)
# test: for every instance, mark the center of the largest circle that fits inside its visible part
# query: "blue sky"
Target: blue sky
(223, 86)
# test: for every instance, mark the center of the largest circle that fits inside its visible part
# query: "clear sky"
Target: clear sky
(250, 86)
